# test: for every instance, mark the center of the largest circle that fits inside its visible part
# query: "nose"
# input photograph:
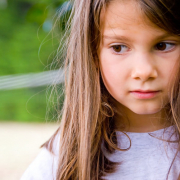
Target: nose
(144, 68)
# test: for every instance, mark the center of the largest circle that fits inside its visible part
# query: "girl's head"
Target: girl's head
(115, 48)
(136, 56)
(146, 31)
(154, 24)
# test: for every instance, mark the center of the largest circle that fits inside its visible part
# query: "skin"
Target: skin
(136, 54)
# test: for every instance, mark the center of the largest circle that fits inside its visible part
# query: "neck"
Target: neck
(140, 122)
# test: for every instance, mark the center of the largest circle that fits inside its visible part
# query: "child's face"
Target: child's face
(135, 55)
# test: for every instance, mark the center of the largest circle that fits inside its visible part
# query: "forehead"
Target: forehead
(125, 15)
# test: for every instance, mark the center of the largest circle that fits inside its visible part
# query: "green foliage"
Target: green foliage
(37, 13)
(26, 47)
(23, 105)
(30, 105)
(20, 42)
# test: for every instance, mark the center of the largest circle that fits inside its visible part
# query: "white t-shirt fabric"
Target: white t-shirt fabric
(44, 167)
(149, 158)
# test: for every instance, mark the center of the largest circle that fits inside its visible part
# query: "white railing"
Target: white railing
(31, 80)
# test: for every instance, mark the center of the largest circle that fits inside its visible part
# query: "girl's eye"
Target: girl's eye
(119, 49)
(164, 46)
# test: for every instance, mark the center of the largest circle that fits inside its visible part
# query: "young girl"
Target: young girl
(121, 115)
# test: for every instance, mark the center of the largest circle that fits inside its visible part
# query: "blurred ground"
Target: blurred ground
(20, 143)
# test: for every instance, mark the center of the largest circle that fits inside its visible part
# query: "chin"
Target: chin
(143, 111)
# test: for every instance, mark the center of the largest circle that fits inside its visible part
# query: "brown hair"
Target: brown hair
(87, 115)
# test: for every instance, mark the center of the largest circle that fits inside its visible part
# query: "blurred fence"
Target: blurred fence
(31, 80)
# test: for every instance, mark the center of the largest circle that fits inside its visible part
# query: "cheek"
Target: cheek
(113, 72)
(109, 80)
(169, 71)
(173, 78)
(113, 78)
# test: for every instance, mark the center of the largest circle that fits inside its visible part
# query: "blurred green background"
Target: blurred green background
(27, 46)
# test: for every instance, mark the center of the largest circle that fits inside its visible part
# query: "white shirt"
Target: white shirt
(148, 159)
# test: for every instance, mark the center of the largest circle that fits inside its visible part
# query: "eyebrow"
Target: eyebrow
(115, 37)
(124, 38)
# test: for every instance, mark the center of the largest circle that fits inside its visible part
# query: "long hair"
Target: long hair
(87, 114)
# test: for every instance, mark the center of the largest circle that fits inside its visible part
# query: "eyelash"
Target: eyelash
(172, 46)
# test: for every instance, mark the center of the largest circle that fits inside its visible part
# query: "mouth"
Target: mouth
(144, 94)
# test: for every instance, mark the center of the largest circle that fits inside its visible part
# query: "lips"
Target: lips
(144, 94)
(144, 91)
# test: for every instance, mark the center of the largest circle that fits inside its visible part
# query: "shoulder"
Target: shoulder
(44, 167)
